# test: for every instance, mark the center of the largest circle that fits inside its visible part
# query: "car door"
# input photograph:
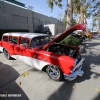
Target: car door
(13, 43)
(23, 50)
(29, 53)
(7, 45)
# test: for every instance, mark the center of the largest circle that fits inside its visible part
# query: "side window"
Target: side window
(35, 42)
(5, 38)
(13, 40)
(24, 42)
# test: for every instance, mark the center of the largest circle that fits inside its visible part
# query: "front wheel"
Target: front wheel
(54, 73)
(6, 54)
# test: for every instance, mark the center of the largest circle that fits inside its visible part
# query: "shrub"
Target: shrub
(70, 40)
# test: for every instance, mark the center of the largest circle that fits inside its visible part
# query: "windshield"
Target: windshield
(39, 41)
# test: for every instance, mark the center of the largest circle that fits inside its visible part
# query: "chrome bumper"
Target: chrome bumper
(77, 71)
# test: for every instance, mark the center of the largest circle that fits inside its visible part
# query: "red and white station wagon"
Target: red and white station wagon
(58, 60)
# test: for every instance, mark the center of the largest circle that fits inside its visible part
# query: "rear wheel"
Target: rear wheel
(54, 73)
(6, 54)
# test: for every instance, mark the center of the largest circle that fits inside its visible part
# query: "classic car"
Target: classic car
(58, 60)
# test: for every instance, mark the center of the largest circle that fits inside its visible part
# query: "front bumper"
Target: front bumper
(77, 71)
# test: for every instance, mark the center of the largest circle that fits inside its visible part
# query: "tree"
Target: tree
(86, 8)
(60, 15)
(64, 20)
(80, 7)
(30, 7)
(83, 8)
(98, 20)
(68, 10)
(93, 23)
(69, 13)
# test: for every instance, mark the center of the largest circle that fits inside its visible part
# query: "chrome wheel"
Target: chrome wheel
(6, 54)
(54, 72)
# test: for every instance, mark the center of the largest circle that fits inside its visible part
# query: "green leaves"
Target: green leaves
(70, 40)
(51, 3)
(60, 5)
(59, 0)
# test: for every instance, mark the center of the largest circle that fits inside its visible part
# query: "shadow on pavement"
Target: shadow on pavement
(8, 75)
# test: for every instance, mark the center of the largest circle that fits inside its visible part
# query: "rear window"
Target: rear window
(5, 38)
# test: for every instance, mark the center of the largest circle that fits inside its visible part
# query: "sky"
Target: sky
(42, 7)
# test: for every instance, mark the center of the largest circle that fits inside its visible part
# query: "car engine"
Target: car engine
(63, 50)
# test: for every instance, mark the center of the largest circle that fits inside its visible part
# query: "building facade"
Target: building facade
(14, 15)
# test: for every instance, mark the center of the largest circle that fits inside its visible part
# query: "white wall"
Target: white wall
(53, 28)
(59, 29)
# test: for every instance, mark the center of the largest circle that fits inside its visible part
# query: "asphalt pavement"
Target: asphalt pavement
(36, 85)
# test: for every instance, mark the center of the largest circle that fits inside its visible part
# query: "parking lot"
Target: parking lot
(36, 85)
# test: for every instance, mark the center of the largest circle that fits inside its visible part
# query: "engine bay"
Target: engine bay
(63, 50)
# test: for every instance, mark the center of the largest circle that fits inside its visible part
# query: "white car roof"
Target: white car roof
(27, 35)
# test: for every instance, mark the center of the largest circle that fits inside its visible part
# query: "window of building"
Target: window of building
(24, 42)
(14, 18)
(19, 19)
(13, 40)
(5, 38)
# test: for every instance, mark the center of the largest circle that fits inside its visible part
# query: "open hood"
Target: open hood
(66, 33)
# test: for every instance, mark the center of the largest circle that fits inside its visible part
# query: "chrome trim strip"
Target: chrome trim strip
(75, 62)
(78, 65)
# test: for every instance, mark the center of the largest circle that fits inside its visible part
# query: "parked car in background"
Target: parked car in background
(88, 35)
(58, 60)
